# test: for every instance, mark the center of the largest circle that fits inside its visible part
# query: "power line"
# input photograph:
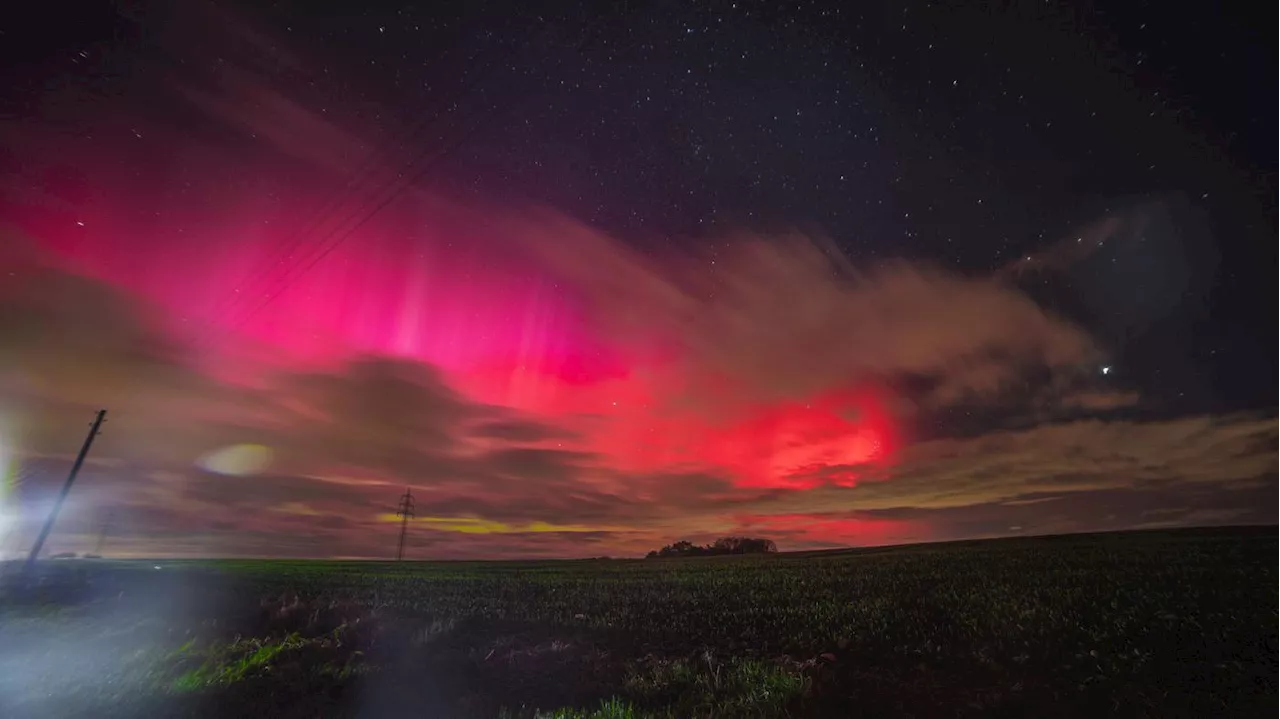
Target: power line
(334, 241)
(439, 110)
(406, 178)
(333, 204)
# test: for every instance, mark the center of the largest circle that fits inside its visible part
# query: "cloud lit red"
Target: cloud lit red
(546, 387)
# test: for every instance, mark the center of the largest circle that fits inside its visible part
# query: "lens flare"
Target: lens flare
(238, 460)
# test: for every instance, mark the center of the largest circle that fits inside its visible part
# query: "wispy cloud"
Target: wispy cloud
(780, 317)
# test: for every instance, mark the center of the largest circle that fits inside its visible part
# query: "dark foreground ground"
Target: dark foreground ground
(1178, 623)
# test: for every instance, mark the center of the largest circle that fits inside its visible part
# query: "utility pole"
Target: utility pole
(94, 428)
(405, 511)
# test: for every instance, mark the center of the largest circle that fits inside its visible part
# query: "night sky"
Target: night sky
(592, 278)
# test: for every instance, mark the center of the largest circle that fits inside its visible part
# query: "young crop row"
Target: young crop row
(1149, 623)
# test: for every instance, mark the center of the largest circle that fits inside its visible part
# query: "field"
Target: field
(1172, 623)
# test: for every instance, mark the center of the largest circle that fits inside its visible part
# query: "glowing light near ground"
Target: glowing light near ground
(6, 526)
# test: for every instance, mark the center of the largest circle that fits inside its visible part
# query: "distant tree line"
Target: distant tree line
(722, 546)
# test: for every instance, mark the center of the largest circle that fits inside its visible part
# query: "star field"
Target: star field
(959, 135)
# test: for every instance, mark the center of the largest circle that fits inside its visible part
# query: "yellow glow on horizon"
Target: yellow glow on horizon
(299, 508)
(478, 525)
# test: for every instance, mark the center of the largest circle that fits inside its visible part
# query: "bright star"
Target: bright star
(1106, 369)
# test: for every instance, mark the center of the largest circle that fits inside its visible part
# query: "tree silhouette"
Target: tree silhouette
(722, 546)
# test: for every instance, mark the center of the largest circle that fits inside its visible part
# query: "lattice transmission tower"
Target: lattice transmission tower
(405, 512)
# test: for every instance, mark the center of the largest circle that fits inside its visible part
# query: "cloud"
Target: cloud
(1072, 460)
(375, 413)
(379, 423)
(248, 103)
(476, 525)
(72, 345)
(780, 318)
(517, 430)
(70, 336)
(346, 439)
(242, 90)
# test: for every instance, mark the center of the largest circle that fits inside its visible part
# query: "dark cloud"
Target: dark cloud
(1147, 505)
(70, 338)
(529, 463)
(268, 491)
(1069, 471)
(520, 430)
(382, 400)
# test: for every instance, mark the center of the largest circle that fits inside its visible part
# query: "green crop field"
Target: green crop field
(1174, 623)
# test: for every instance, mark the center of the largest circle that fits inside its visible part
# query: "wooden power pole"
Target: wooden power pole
(94, 428)
(405, 511)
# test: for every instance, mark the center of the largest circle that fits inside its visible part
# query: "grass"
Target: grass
(1154, 624)
(609, 709)
(235, 662)
(222, 664)
(735, 687)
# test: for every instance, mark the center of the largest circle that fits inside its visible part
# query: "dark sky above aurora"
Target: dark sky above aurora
(638, 272)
